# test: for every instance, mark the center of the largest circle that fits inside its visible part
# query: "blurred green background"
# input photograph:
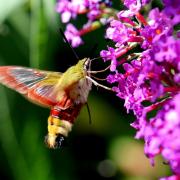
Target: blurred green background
(106, 149)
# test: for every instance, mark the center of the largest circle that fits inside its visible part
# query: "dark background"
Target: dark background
(106, 149)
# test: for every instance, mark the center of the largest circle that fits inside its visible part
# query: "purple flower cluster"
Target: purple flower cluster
(95, 10)
(70, 9)
(150, 82)
(151, 76)
(162, 133)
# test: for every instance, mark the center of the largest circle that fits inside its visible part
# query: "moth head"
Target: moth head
(87, 64)
(54, 141)
(83, 64)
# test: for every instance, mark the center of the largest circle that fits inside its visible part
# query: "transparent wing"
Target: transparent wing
(38, 86)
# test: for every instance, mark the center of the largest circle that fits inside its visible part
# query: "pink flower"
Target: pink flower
(72, 35)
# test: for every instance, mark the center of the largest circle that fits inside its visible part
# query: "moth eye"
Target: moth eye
(59, 141)
(85, 67)
(86, 64)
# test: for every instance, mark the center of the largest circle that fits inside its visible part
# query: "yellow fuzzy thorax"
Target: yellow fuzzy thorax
(73, 75)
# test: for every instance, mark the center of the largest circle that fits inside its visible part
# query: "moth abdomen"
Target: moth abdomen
(57, 131)
(54, 141)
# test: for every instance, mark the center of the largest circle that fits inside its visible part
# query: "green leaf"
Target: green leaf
(50, 13)
(19, 19)
(8, 6)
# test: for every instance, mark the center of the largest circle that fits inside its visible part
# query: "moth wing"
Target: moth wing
(38, 86)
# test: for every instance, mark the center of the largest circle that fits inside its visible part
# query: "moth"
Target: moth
(64, 93)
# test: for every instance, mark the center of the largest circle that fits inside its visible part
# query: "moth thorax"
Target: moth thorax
(80, 91)
(57, 131)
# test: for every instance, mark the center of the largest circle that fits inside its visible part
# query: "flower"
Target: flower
(133, 5)
(72, 35)
(70, 9)
(162, 134)
(172, 9)
(96, 11)
(174, 177)
(153, 76)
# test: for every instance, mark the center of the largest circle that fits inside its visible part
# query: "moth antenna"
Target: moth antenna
(96, 58)
(65, 39)
(89, 113)
(95, 72)
(97, 84)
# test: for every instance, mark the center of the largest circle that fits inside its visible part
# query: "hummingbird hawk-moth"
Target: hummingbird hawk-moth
(64, 93)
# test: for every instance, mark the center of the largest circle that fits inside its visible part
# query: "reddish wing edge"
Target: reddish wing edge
(38, 86)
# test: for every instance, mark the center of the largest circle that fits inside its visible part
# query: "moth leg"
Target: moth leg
(97, 84)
